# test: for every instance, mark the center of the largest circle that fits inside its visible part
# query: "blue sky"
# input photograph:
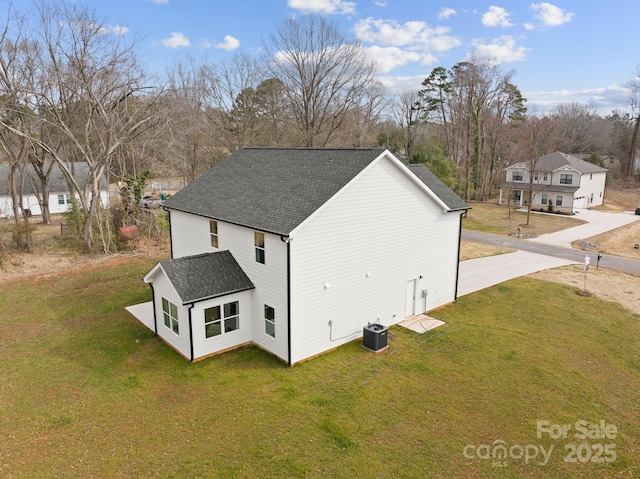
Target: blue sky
(565, 50)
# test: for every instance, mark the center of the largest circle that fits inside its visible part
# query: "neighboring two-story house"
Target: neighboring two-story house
(296, 250)
(561, 182)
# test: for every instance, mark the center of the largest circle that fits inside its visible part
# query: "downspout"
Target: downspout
(287, 240)
(155, 317)
(189, 308)
(455, 294)
(170, 236)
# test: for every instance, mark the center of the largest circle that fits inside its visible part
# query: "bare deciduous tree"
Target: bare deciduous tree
(80, 82)
(325, 75)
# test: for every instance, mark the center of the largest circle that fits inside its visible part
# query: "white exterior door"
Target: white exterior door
(410, 299)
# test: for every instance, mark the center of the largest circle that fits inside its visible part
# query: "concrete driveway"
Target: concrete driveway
(598, 222)
(480, 273)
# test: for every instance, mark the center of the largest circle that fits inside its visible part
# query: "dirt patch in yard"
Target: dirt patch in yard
(618, 242)
(605, 284)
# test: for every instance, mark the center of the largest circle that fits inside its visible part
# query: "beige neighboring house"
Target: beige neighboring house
(561, 183)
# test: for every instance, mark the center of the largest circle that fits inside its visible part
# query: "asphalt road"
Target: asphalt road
(607, 261)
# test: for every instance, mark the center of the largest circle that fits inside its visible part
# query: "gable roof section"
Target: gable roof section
(276, 189)
(556, 160)
(205, 276)
(271, 189)
(442, 191)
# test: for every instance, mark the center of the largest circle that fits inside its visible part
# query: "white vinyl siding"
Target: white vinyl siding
(163, 289)
(227, 339)
(190, 235)
(592, 185)
(352, 260)
(31, 202)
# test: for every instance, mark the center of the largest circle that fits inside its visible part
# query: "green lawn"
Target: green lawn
(86, 391)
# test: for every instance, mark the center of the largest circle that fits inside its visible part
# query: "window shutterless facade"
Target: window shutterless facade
(258, 240)
(544, 199)
(170, 313)
(558, 200)
(270, 321)
(517, 176)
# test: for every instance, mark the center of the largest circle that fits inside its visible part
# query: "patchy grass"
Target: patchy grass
(494, 218)
(86, 391)
(471, 250)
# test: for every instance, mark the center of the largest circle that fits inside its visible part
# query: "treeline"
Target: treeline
(74, 90)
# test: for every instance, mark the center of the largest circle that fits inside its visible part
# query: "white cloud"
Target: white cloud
(323, 6)
(529, 26)
(160, 1)
(230, 43)
(496, 17)
(398, 84)
(603, 99)
(416, 34)
(551, 15)
(389, 58)
(446, 13)
(500, 50)
(176, 40)
(120, 30)
(381, 3)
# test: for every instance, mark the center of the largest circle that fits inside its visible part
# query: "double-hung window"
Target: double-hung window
(270, 321)
(559, 200)
(517, 176)
(258, 241)
(544, 199)
(213, 230)
(170, 313)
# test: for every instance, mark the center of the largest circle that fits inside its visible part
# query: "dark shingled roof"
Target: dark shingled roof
(200, 277)
(276, 189)
(442, 191)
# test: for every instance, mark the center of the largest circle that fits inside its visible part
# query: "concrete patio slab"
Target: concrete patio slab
(143, 312)
(421, 323)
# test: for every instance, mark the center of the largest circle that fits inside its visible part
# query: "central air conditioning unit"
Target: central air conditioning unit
(374, 337)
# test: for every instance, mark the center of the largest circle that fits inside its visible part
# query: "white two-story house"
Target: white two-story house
(296, 250)
(561, 183)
